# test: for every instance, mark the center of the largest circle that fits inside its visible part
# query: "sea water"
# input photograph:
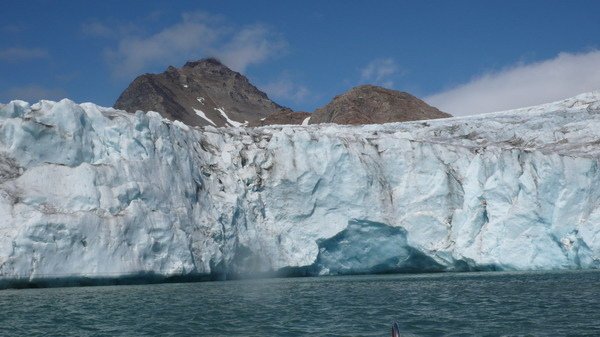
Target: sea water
(451, 304)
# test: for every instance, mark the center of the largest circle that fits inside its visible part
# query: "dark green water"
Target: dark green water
(538, 304)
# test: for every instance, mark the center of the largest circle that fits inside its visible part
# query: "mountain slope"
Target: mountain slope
(200, 93)
(283, 118)
(369, 104)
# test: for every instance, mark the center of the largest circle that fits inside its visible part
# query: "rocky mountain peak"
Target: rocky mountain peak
(370, 104)
(206, 92)
(205, 63)
(201, 93)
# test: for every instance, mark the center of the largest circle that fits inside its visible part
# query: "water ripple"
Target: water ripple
(517, 304)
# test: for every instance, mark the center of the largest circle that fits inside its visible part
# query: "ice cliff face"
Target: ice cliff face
(94, 192)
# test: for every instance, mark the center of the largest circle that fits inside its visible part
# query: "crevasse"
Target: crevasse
(92, 192)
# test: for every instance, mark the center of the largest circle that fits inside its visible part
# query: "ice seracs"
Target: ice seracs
(95, 192)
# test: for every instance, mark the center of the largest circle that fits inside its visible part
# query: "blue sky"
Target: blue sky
(462, 56)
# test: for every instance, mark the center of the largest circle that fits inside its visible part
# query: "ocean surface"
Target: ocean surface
(457, 304)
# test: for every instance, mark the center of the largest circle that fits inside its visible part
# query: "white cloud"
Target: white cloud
(16, 54)
(195, 36)
(523, 85)
(286, 89)
(32, 93)
(191, 36)
(251, 45)
(380, 72)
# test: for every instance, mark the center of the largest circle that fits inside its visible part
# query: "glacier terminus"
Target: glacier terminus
(88, 192)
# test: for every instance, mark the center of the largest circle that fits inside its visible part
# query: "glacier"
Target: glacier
(95, 193)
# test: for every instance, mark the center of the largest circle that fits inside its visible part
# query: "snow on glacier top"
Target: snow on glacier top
(568, 127)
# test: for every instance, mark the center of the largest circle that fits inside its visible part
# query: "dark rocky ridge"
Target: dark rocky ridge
(206, 92)
(205, 85)
(369, 104)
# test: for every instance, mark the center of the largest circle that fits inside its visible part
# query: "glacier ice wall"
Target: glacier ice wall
(94, 192)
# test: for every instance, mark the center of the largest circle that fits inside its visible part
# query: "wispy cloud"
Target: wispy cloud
(12, 29)
(188, 38)
(380, 71)
(522, 85)
(251, 45)
(194, 36)
(17, 54)
(96, 28)
(284, 88)
(32, 93)
(111, 29)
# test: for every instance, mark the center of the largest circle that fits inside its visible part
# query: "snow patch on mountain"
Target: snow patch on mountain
(203, 115)
(230, 121)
